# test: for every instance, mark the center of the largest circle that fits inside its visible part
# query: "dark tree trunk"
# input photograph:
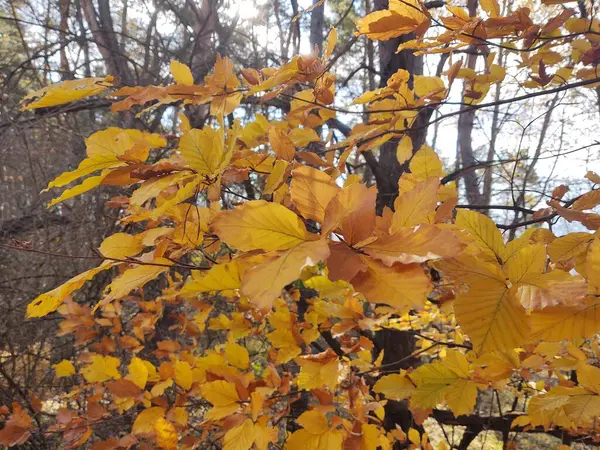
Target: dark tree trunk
(396, 345)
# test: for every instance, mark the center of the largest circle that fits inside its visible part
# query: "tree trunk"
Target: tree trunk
(466, 121)
(397, 345)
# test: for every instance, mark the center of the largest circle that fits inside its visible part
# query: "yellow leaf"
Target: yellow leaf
(64, 368)
(429, 85)
(314, 375)
(237, 356)
(592, 267)
(220, 393)
(144, 422)
(102, 368)
(240, 437)
(121, 142)
(257, 225)
(87, 185)
(277, 177)
(184, 123)
(183, 193)
(405, 149)
(153, 188)
(568, 246)
(311, 191)
(65, 92)
(285, 343)
(352, 212)
(425, 164)
(314, 422)
(487, 237)
(301, 137)
(120, 246)
(567, 322)
(394, 387)
(401, 18)
(403, 286)
(281, 144)
(304, 440)
(138, 372)
(413, 207)
(203, 150)
(491, 7)
(220, 277)
(281, 271)
(183, 375)
(86, 167)
(331, 41)
(414, 436)
(527, 264)
(50, 301)
(492, 316)
(181, 73)
(461, 396)
(166, 434)
(414, 245)
(263, 434)
(134, 278)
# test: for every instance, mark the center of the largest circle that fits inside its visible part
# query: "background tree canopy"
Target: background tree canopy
(323, 225)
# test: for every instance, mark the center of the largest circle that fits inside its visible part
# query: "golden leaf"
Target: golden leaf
(240, 437)
(203, 150)
(487, 237)
(257, 225)
(181, 73)
(220, 277)
(403, 286)
(120, 246)
(281, 271)
(414, 207)
(50, 301)
(237, 356)
(64, 368)
(166, 434)
(220, 393)
(144, 422)
(134, 278)
(281, 144)
(352, 212)
(405, 149)
(394, 387)
(414, 245)
(102, 368)
(492, 316)
(183, 374)
(311, 191)
(138, 372)
(65, 92)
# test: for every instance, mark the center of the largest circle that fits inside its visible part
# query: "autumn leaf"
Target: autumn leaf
(311, 191)
(204, 150)
(144, 422)
(65, 92)
(181, 73)
(352, 213)
(120, 246)
(102, 368)
(138, 372)
(281, 271)
(220, 277)
(260, 225)
(402, 286)
(487, 237)
(64, 368)
(395, 386)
